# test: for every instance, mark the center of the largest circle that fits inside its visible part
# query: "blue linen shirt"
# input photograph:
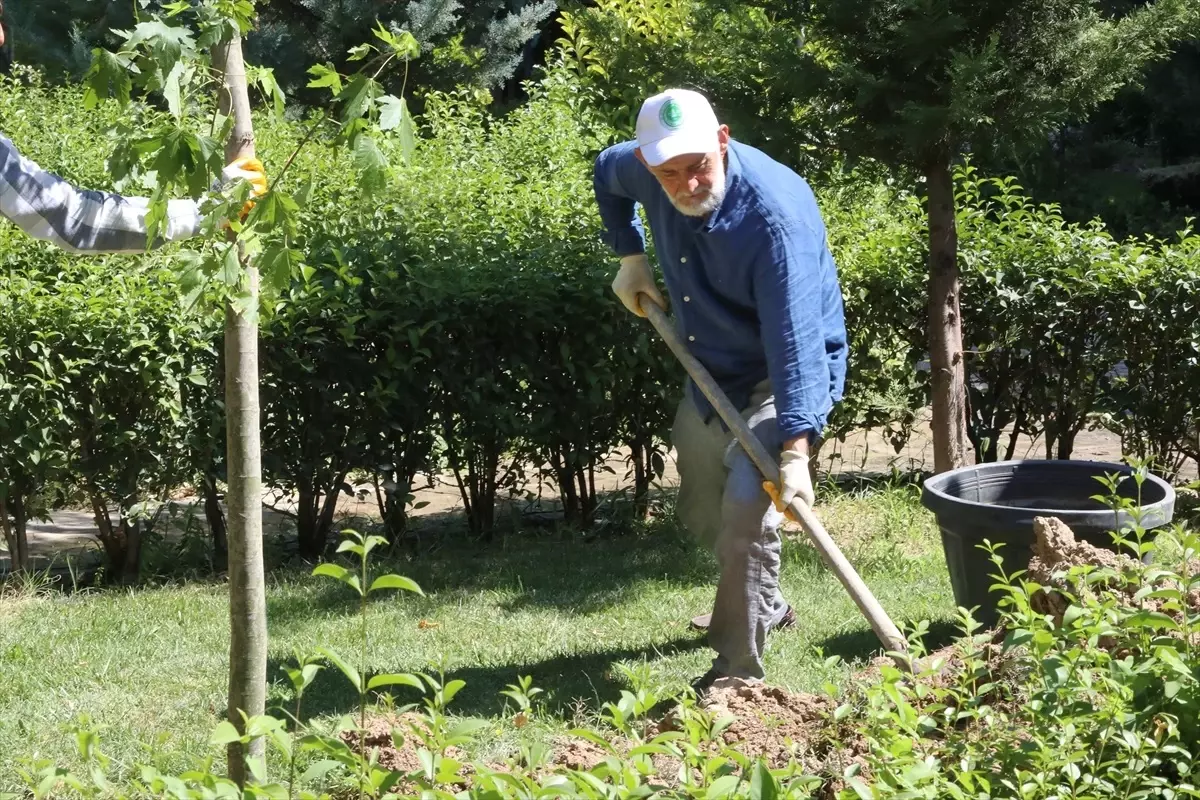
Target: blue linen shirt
(753, 285)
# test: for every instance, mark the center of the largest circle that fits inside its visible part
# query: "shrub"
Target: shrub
(1071, 329)
(1151, 403)
(34, 381)
(465, 322)
(1037, 306)
(875, 235)
(94, 364)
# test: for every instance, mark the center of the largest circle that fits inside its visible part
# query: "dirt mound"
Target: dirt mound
(400, 759)
(580, 754)
(1056, 550)
(771, 722)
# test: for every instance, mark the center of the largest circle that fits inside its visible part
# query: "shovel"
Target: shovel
(798, 511)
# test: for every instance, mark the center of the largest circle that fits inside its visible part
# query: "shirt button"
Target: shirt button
(687, 299)
(683, 261)
(691, 338)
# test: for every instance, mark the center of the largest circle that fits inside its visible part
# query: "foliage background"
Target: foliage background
(464, 322)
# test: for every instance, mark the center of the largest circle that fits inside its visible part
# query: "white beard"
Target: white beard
(703, 202)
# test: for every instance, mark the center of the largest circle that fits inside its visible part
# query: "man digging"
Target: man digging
(746, 263)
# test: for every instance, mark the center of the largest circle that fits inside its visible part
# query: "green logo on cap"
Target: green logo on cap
(671, 115)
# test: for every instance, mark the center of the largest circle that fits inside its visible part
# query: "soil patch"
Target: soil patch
(399, 759)
(773, 723)
(579, 754)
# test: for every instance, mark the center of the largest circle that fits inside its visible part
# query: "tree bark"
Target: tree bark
(216, 523)
(945, 324)
(132, 557)
(247, 589)
(641, 483)
(20, 535)
(10, 540)
(14, 536)
(110, 537)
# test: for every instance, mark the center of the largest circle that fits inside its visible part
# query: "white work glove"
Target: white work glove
(795, 478)
(635, 278)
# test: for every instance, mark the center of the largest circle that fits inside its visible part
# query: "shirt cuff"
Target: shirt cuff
(627, 242)
(793, 426)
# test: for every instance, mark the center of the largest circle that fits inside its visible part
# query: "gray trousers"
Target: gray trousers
(722, 503)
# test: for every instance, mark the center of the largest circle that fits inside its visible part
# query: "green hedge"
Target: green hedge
(465, 322)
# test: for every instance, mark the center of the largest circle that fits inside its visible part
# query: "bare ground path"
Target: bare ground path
(73, 533)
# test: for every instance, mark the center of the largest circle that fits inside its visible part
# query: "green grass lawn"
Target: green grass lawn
(148, 666)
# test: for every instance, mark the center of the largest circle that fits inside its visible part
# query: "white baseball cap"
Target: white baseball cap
(675, 122)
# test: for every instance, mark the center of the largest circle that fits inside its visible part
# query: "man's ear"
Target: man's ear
(723, 138)
(637, 151)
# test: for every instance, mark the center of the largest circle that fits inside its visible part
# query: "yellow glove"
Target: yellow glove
(248, 169)
(796, 480)
(633, 279)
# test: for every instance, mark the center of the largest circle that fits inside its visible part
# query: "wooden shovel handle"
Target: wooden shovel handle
(798, 511)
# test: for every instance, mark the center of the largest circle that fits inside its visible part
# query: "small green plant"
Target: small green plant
(628, 714)
(360, 581)
(523, 693)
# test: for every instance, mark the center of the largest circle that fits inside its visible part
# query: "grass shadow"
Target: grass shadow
(575, 684)
(863, 644)
(556, 569)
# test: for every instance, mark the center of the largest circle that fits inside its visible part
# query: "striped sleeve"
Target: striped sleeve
(79, 220)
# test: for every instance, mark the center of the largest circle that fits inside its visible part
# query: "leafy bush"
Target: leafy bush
(1151, 404)
(875, 235)
(1069, 329)
(464, 321)
(1040, 299)
(94, 364)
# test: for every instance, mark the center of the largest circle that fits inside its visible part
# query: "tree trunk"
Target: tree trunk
(10, 540)
(1066, 444)
(14, 535)
(329, 507)
(307, 523)
(216, 523)
(247, 585)
(21, 535)
(566, 486)
(131, 565)
(641, 482)
(111, 537)
(945, 324)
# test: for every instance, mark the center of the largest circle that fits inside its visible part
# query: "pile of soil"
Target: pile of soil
(772, 723)
(1056, 550)
(580, 754)
(769, 722)
(399, 759)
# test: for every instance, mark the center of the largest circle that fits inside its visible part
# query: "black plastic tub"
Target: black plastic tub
(998, 502)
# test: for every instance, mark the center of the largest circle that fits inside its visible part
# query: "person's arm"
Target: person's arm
(837, 345)
(79, 220)
(790, 277)
(615, 182)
